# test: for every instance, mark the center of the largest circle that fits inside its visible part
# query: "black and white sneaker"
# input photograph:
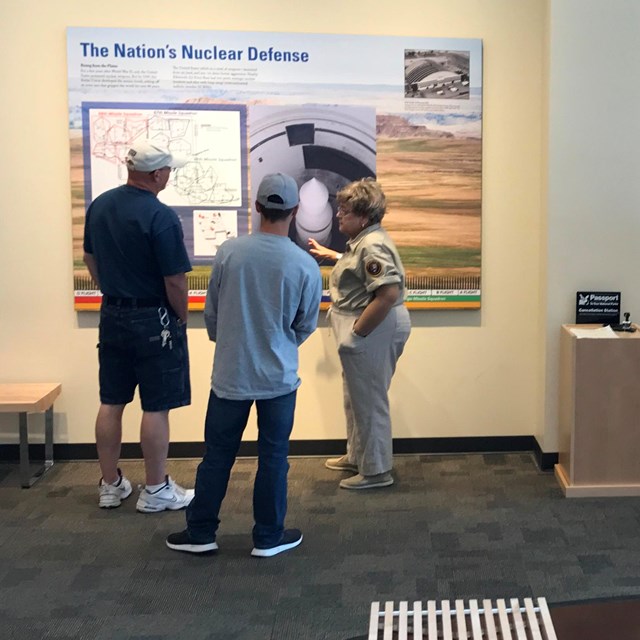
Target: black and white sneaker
(182, 542)
(290, 538)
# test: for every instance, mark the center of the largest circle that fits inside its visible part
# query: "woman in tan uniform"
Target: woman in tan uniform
(371, 326)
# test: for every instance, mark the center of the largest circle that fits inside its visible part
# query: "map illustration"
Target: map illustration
(208, 139)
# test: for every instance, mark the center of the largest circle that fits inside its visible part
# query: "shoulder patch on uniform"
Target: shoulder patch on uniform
(373, 267)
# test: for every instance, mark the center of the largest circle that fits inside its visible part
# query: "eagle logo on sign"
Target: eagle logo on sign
(374, 268)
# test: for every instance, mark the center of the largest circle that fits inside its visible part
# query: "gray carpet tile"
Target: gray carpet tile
(465, 526)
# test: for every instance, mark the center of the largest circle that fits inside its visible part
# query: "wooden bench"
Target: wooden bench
(23, 399)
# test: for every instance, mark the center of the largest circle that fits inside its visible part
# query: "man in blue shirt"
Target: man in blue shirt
(134, 249)
(262, 304)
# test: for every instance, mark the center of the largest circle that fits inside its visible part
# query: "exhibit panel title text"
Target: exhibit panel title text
(91, 50)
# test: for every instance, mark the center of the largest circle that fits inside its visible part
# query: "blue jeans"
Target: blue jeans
(224, 425)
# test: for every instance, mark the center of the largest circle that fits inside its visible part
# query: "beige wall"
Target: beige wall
(463, 374)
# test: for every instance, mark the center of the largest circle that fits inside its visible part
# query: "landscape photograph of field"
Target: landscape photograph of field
(433, 188)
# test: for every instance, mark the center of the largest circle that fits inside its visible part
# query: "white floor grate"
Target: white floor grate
(462, 621)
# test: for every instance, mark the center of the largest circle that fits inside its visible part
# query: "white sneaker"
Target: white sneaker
(112, 495)
(170, 496)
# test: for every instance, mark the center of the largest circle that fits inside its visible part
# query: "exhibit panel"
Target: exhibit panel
(327, 109)
(599, 414)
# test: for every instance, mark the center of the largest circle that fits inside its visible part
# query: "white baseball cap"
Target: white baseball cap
(147, 156)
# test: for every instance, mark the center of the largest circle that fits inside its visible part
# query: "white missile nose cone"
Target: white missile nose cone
(314, 196)
(315, 215)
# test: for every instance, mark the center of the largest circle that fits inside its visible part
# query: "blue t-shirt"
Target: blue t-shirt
(262, 303)
(136, 241)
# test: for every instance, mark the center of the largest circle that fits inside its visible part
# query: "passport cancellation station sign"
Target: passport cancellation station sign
(598, 307)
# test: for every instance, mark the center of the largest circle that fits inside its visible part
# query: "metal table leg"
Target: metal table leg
(48, 439)
(26, 479)
(24, 451)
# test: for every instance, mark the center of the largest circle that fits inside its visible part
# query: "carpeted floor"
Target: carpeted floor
(468, 526)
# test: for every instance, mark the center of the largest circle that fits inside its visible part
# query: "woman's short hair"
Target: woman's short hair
(365, 198)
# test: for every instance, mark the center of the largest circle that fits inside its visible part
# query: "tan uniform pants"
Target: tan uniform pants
(368, 364)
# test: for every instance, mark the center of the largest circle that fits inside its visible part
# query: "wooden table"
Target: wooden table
(23, 399)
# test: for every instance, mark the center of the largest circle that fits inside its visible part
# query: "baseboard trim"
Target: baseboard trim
(472, 444)
(475, 444)
(546, 460)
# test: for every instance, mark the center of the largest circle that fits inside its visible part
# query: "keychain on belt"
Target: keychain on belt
(165, 334)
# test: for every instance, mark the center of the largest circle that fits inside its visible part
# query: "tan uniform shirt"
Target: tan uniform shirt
(369, 261)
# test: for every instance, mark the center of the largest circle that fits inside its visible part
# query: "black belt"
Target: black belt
(133, 303)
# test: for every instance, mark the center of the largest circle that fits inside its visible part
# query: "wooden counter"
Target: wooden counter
(599, 449)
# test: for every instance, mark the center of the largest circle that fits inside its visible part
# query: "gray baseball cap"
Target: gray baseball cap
(278, 191)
